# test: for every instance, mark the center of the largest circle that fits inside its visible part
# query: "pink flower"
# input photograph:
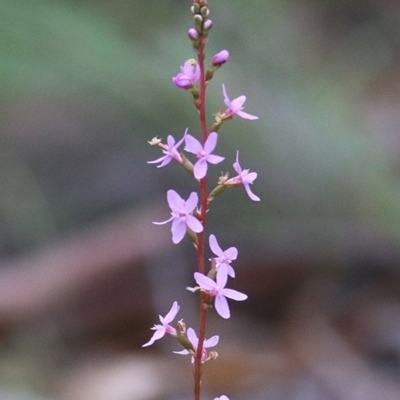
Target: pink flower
(182, 217)
(220, 58)
(171, 152)
(221, 398)
(217, 289)
(245, 177)
(224, 258)
(236, 106)
(161, 330)
(191, 335)
(203, 153)
(189, 75)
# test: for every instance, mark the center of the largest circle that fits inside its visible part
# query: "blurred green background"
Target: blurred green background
(84, 84)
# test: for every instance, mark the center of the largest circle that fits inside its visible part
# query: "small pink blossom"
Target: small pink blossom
(236, 106)
(193, 339)
(181, 215)
(165, 327)
(222, 398)
(171, 153)
(189, 75)
(224, 258)
(217, 289)
(220, 58)
(244, 177)
(203, 153)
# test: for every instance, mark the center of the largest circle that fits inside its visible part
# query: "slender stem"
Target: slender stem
(203, 213)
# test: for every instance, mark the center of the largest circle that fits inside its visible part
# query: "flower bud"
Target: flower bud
(193, 34)
(198, 19)
(182, 81)
(204, 11)
(207, 24)
(220, 58)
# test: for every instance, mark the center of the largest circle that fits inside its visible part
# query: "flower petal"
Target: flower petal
(204, 282)
(158, 334)
(193, 145)
(231, 253)
(194, 224)
(245, 115)
(191, 335)
(237, 104)
(214, 246)
(191, 202)
(183, 352)
(200, 169)
(213, 341)
(250, 193)
(213, 159)
(222, 307)
(172, 313)
(178, 230)
(226, 98)
(211, 142)
(234, 294)
(175, 201)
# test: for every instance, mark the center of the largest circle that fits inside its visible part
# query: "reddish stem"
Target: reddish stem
(203, 211)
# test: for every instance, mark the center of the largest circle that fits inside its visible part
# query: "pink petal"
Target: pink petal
(245, 115)
(210, 143)
(194, 224)
(200, 169)
(172, 313)
(221, 280)
(222, 307)
(231, 253)
(193, 145)
(191, 335)
(234, 294)
(237, 104)
(214, 246)
(158, 334)
(250, 177)
(213, 159)
(204, 282)
(170, 141)
(213, 341)
(163, 222)
(250, 193)
(191, 202)
(175, 201)
(226, 98)
(178, 230)
(163, 159)
(183, 352)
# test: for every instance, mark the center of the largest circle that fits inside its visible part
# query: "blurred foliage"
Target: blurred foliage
(84, 84)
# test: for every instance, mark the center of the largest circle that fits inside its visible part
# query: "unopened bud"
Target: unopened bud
(198, 19)
(207, 24)
(220, 58)
(204, 11)
(193, 34)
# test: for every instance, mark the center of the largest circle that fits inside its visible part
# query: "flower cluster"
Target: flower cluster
(188, 215)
